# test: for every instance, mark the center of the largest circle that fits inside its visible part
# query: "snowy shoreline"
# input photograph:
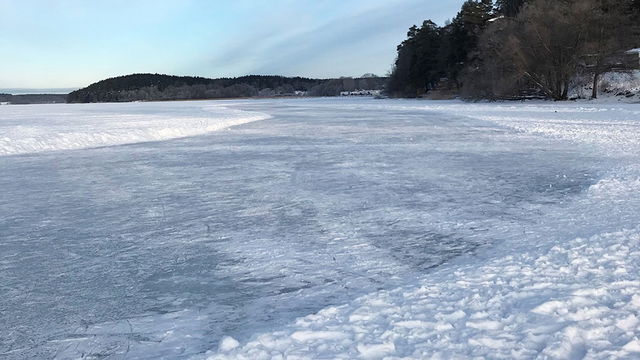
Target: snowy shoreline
(81, 126)
(542, 294)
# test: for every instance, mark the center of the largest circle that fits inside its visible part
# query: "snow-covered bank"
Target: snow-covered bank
(32, 129)
(614, 86)
(564, 287)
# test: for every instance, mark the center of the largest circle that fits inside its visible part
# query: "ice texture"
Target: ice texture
(333, 228)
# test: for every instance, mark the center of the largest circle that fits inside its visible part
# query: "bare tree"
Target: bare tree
(549, 42)
(611, 30)
(546, 44)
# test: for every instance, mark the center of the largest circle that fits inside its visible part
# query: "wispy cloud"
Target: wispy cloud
(362, 40)
(69, 43)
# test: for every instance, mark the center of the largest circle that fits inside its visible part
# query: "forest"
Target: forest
(153, 87)
(514, 49)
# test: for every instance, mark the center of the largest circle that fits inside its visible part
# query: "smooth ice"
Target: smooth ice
(163, 248)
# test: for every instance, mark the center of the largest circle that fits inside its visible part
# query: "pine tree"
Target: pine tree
(462, 35)
(509, 8)
(416, 68)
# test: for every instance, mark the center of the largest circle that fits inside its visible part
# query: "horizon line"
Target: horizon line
(66, 90)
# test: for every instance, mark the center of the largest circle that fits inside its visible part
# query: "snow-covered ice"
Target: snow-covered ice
(31, 129)
(335, 228)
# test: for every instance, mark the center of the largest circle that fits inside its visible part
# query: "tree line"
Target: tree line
(511, 49)
(152, 87)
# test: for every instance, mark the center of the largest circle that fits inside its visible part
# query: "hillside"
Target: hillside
(147, 87)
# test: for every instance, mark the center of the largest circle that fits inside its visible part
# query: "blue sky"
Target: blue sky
(72, 43)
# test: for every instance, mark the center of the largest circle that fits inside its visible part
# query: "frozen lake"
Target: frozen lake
(160, 248)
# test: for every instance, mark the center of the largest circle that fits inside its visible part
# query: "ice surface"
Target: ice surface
(458, 221)
(565, 287)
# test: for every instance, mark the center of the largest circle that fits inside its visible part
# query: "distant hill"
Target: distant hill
(168, 87)
(148, 87)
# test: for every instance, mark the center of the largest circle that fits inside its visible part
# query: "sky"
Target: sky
(73, 43)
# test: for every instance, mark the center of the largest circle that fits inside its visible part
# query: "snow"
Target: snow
(334, 228)
(32, 129)
(563, 302)
(228, 343)
(614, 86)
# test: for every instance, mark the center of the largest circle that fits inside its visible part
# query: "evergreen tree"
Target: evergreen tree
(461, 36)
(431, 53)
(509, 8)
(417, 68)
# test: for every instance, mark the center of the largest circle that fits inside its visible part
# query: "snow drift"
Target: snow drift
(33, 129)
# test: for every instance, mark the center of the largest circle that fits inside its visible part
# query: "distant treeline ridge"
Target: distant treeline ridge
(149, 87)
